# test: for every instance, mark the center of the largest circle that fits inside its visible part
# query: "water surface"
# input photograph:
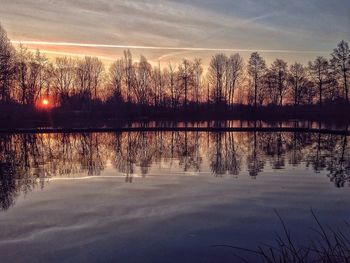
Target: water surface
(164, 196)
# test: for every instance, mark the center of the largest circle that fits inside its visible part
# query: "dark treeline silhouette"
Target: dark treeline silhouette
(29, 160)
(28, 80)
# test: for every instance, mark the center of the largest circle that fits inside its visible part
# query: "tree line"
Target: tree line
(27, 77)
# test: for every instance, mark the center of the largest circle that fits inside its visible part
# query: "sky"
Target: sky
(169, 30)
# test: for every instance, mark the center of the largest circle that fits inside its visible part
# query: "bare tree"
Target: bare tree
(319, 72)
(116, 74)
(64, 77)
(279, 69)
(143, 75)
(21, 76)
(89, 74)
(7, 68)
(172, 84)
(269, 86)
(30, 72)
(197, 79)
(48, 82)
(216, 76)
(341, 64)
(256, 70)
(185, 77)
(129, 73)
(297, 80)
(235, 72)
(157, 91)
(97, 75)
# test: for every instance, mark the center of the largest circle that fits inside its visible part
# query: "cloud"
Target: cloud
(167, 29)
(46, 43)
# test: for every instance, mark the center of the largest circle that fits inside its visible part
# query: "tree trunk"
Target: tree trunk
(255, 92)
(346, 87)
(295, 94)
(320, 93)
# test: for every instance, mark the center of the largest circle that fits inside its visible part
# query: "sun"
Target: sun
(45, 102)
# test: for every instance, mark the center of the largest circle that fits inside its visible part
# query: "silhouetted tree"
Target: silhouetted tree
(7, 69)
(234, 73)
(319, 72)
(341, 64)
(129, 73)
(256, 69)
(269, 86)
(30, 77)
(143, 75)
(197, 80)
(116, 75)
(64, 76)
(297, 80)
(158, 86)
(279, 70)
(174, 95)
(185, 77)
(216, 76)
(89, 75)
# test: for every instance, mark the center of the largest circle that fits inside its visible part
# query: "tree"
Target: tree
(64, 76)
(97, 71)
(129, 73)
(116, 76)
(21, 76)
(7, 69)
(197, 79)
(88, 77)
(235, 71)
(319, 72)
(185, 77)
(143, 77)
(48, 80)
(216, 76)
(172, 84)
(297, 80)
(42, 65)
(269, 81)
(30, 75)
(341, 65)
(256, 69)
(158, 84)
(279, 69)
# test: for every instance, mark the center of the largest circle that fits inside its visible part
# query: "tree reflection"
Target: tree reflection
(338, 165)
(255, 158)
(225, 155)
(29, 160)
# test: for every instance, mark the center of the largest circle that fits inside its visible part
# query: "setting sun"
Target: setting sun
(45, 102)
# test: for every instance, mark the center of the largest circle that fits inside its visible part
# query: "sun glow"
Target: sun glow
(45, 102)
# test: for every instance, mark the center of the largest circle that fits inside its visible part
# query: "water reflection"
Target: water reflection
(30, 160)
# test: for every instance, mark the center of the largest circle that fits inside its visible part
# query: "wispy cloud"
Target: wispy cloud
(45, 43)
(71, 54)
(165, 29)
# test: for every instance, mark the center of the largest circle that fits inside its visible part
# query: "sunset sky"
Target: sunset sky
(170, 30)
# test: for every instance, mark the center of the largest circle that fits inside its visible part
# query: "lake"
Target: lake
(165, 196)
